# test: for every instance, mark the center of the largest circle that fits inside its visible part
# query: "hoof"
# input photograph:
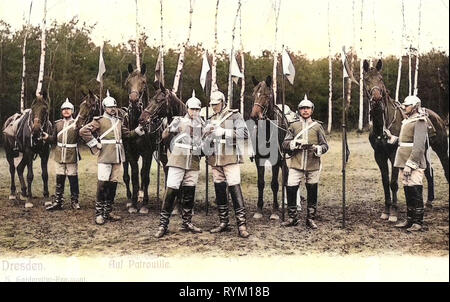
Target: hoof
(12, 197)
(392, 219)
(129, 204)
(47, 203)
(140, 196)
(429, 205)
(384, 216)
(274, 217)
(175, 212)
(143, 210)
(257, 215)
(99, 220)
(28, 205)
(132, 210)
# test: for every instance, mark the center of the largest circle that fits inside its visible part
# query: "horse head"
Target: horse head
(263, 96)
(136, 84)
(89, 107)
(373, 83)
(39, 114)
(164, 104)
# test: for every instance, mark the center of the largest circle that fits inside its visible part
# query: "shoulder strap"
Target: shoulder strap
(303, 130)
(67, 128)
(109, 130)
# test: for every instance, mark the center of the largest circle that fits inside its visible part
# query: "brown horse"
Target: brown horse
(28, 140)
(387, 116)
(269, 118)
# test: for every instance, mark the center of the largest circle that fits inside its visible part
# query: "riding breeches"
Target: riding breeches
(109, 172)
(177, 177)
(296, 176)
(66, 169)
(231, 174)
(415, 179)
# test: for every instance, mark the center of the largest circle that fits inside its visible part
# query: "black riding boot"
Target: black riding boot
(291, 192)
(100, 202)
(239, 209)
(187, 204)
(74, 191)
(409, 209)
(111, 194)
(167, 208)
(417, 195)
(222, 206)
(59, 193)
(311, 205)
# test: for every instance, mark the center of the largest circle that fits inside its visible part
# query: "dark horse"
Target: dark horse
(162, 107)
(28, 140)
(142, 146)
(269, 117)
(387, 116)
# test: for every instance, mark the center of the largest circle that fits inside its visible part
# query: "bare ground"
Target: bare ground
(31, 232)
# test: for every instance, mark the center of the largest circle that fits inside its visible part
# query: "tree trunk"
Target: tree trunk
(361, 83)
(42, 61)
(161, 71)
(275, 53)
(242, 64)
(330, 77)
(416, 74)
(214, 56)
(178, 73)
(138, 57)
(24, 66)
(230, 81)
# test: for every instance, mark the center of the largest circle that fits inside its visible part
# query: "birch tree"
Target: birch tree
(138, 57)
(161, 47)
(275, 52)
(242, 63)
(416, 74)
(214, 56)
(24, 63)
(399, 72)
(330, 76)
(361, 69)
(42, 60)
(177, 78)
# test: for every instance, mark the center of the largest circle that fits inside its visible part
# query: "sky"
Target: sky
(303, 25)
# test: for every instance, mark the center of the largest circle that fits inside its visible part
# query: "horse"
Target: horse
(387, 116)
(140, 147)
(89, 107)
(158, 114)
(28, 140)
(266, 114)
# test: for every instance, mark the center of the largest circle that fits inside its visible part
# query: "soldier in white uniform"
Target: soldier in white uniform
(184, 137)
(109, 130)
(226, 129)
(411, 160)
(306, 143)
(65, 137)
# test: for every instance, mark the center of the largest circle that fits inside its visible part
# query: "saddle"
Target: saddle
(13, 130)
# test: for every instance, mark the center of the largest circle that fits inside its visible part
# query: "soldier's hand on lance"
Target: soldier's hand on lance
(407, 172)
(219, 131)
(99, 146)
(44, 135)
(294, 144)
(208, 129)
(139, 130)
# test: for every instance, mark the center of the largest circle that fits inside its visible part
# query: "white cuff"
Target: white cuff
(411, 164)
(139, 131)
(92, 143)
(392, 139)
(318, 151)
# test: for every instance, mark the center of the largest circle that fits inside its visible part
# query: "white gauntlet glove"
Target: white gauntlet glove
(293, 145)
(219, 131)
(139, 130)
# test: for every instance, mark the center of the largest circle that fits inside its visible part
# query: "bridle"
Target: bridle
(265, 108)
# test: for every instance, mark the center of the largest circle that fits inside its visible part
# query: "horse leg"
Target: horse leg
(429, 174)
(260, 169)
(275, 186)
(145, 182)
(381, 160)
(12, 172)
(44, 168)
(126, 180)
(20, 170)
(442, 153)
(393, 212)
(30, 176)
(135, 185)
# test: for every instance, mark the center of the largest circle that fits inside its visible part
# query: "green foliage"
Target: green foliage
(72, 65)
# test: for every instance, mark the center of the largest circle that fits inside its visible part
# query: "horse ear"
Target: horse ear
(379, 65)
(130, 68)
(255, 81)
(366, 66)
(156, 85)
(161, 86)
(269, 81)
(143, 69)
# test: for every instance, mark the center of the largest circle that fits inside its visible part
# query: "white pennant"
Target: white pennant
(235, 71)
(288, 67)
(205, 70)
(101, 66)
